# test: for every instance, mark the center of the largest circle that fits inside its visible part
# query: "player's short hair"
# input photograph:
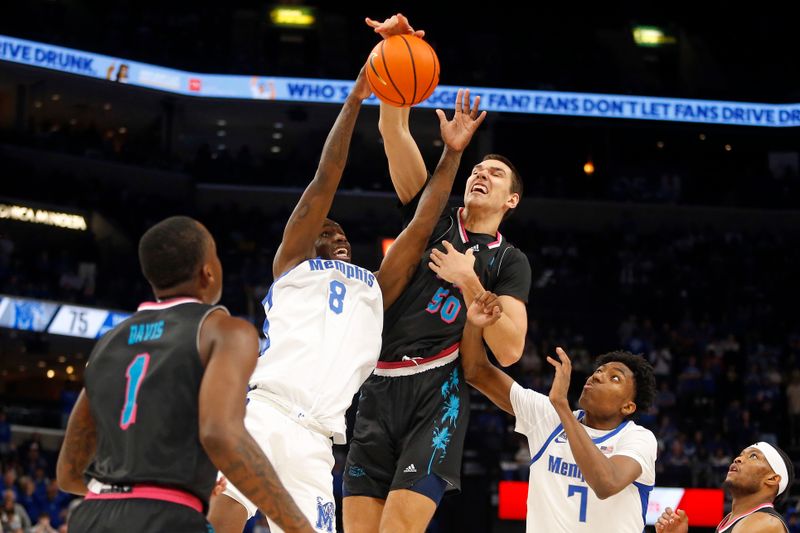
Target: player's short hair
(789, 470)
(516, 179)
(172, 251)
(643, 375)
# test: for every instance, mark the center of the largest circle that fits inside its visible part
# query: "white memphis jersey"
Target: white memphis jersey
(323, 327)
(559, 499)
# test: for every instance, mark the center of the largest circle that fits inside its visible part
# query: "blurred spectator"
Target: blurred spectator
(793, 407)
(13, 517)
(43, 525)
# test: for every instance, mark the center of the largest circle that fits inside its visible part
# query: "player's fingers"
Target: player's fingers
(479, 120)
(681, 513)
(420, 33)
(442, 117)
(448, 246)
(553, 362)
(459, 100)
(434, 267)
(475, 105)
(562, 355)
(372, 23)
(465, 103)
(437, 254)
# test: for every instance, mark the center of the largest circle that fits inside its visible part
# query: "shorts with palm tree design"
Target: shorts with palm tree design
(406, 429)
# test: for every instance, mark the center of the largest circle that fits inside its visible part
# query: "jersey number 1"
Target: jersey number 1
(135, 374)
(336, 299)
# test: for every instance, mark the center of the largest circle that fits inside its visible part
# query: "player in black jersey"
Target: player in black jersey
(156, 414)
(759, 476)
(413, 411)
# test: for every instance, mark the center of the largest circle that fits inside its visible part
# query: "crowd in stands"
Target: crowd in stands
(712, 310)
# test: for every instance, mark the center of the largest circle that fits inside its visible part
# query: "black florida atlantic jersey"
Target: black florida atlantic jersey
(430, 315)
(143, 383)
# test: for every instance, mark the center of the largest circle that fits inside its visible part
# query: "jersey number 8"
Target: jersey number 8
(336, 299)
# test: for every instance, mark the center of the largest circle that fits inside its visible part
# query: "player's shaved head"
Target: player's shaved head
(172, 251)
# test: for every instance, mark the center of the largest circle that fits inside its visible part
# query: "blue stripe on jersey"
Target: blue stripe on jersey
(560, 428)
(644, 494)
(553, 435)
(604, 438)
(268, 301)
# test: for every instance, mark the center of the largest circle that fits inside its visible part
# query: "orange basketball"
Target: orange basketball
(403, 70)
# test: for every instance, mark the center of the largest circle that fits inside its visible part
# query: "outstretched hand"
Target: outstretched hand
(484, 310)
(457, 133)
(560, 387)
(672, 522)
(394, 25)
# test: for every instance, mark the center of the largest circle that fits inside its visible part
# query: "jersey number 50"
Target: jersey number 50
(445, 304)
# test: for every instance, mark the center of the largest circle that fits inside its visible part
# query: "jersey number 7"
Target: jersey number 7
(583, 492)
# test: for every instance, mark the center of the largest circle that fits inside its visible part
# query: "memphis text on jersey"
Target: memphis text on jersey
(349, 271)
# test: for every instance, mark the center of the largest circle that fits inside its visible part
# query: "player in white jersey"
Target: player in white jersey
(759, 477)
(324, 318)
(591, 469)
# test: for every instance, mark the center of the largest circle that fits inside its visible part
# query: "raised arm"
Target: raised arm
(406, 166)
(233, 347)
(605, 475)
(78, 449)
(403, 257)
(305, 222)
(478, 370)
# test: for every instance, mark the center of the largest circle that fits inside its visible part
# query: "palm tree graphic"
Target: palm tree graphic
(441, 438)
(451, 406)
(450, 383)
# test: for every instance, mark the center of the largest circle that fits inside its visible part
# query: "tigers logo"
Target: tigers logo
(326, 515)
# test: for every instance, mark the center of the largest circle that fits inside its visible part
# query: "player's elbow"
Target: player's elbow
(471, 373)
(68, 482)
(217, 438)
(604, 490)
(510, 354)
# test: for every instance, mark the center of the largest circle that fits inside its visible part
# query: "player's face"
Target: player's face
(489, 187)
(332, 242)
(610, 390)
(748, 471)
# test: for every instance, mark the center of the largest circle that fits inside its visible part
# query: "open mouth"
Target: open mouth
(479, 188)
(341, 253)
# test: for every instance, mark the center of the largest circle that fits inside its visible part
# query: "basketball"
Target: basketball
(403, 70)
